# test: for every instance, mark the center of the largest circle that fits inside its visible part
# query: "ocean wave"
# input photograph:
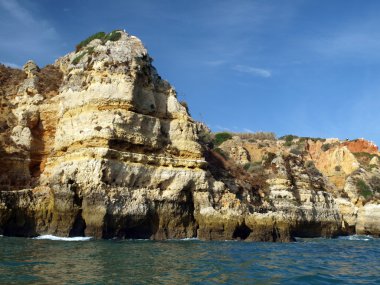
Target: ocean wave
(357, 237)
(51, 237)
(189, 239)
(182, 239)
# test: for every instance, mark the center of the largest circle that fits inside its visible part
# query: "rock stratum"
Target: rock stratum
(97, 144)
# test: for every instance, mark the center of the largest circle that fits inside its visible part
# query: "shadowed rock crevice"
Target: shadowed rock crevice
(130, 227)
(79, 225)
(241, 232)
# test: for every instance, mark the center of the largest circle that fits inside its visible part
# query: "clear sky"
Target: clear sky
(304, 67)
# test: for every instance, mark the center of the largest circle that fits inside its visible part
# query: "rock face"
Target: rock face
(368, 220)
(98, 145)
(350, 179)
(361, 145)
(113, 153)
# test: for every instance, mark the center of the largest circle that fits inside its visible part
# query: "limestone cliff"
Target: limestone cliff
(346, 171)
(97, 144)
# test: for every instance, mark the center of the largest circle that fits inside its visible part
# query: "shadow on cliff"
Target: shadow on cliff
(12, 172)
(163, 220)
(235, 176)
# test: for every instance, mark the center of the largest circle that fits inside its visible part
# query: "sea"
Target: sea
(54, 260)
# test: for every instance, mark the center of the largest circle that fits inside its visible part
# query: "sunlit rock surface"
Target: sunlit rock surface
(97, 144)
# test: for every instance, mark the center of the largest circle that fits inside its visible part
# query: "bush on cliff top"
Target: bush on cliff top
(221, 137)
(99, 35)
(325, 147)
(112, 36)
(288, 138)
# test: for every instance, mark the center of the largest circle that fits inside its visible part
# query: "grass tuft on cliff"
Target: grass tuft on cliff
(78, 58)
(82, 44)
(112, 36)
(288, 139)
(363, 188)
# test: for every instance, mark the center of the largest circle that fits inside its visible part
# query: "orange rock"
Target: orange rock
(362, 145)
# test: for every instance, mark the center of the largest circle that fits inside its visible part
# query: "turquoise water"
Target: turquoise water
(354, 260)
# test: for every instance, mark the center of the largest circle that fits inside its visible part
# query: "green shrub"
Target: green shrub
(112, 36)
(326, 147)
(90, 50)
(288, 138)
(363, 188)
(78, 58)
(221, 137)
(247, 166)
(99, 35)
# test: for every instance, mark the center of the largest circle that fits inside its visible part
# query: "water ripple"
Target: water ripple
(312, 261)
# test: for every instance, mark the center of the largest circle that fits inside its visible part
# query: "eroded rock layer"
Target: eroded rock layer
(345, 173)
(98, 145)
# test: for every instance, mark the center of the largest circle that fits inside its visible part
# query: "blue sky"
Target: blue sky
(303, 67)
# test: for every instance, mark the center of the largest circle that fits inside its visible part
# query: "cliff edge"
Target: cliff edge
(98, 144)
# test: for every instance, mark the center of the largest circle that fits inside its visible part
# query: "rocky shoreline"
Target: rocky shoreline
(97, 144)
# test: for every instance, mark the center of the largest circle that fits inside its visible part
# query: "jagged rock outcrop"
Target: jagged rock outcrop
(98, 145)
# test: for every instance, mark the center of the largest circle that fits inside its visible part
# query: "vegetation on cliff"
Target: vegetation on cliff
(112, 36)
(103, 37)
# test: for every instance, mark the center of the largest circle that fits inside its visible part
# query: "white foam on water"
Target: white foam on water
(181, 239)
(189, 239)
(357, 237)
(51, 237)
